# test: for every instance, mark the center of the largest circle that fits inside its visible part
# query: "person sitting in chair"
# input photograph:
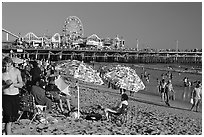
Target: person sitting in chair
(53, 92)
(119, 108)
(39, 94)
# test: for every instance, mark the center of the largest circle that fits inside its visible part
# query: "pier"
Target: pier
(88, 55)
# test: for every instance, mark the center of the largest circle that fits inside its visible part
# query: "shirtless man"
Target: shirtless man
(11, 81)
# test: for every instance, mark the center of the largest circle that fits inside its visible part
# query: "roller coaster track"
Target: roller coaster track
(14, 35)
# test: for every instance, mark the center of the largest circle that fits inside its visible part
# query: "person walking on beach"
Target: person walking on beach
(171, 76)
(185, 82)
(122, 90)
(171, 90)
(158, 86)
(162, 89)
(142, 76)
(196, 95)
(168, 91)
(11, 82)
(148, 78)
(162, 76)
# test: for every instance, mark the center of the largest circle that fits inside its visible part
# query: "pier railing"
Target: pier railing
(106, 56)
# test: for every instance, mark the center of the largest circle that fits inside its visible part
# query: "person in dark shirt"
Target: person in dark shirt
(35, 72)
(39, 95)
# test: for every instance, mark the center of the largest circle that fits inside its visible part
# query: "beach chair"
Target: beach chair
(27, 105)
(121, 116)
(40, 110)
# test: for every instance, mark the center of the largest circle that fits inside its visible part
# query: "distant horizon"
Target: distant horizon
(157, 25)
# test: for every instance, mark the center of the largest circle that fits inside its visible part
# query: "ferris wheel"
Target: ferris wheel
(73, 28)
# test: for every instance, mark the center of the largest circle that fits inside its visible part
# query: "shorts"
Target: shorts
(11, 105)
(196, 101)
(162, 90)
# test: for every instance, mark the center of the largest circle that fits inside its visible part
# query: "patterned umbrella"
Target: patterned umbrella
(79, 70)
(126, 78)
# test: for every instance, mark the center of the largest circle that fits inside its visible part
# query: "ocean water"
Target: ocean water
(182, 94)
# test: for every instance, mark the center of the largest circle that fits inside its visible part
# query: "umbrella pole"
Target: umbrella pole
(78, 98)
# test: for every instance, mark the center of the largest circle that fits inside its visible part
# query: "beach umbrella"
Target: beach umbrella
(64, 88)
(125, 78)
(79, 71)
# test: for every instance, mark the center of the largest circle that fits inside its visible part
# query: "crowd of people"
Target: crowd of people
(38, 78)
(34, 77)
(167, 92)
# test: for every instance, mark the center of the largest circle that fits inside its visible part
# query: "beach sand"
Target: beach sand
(147, 115)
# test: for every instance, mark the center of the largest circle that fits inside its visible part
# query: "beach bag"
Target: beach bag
(93, 116)
(191, 101)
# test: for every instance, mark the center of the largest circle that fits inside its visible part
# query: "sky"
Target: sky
(156, 25)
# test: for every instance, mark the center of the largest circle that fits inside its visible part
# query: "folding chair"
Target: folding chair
(40, 110)
(119, 117)
(27, 104)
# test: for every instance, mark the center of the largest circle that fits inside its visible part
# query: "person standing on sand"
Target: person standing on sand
(158, 86)
(168, 91)
(11, 82)
(35, 72)
(148, 78)
(196, 95)
(142, 76)
(162, 89)
(162, 76)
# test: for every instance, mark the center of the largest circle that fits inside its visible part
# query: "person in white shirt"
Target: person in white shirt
(168, 91)
(196, 95)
